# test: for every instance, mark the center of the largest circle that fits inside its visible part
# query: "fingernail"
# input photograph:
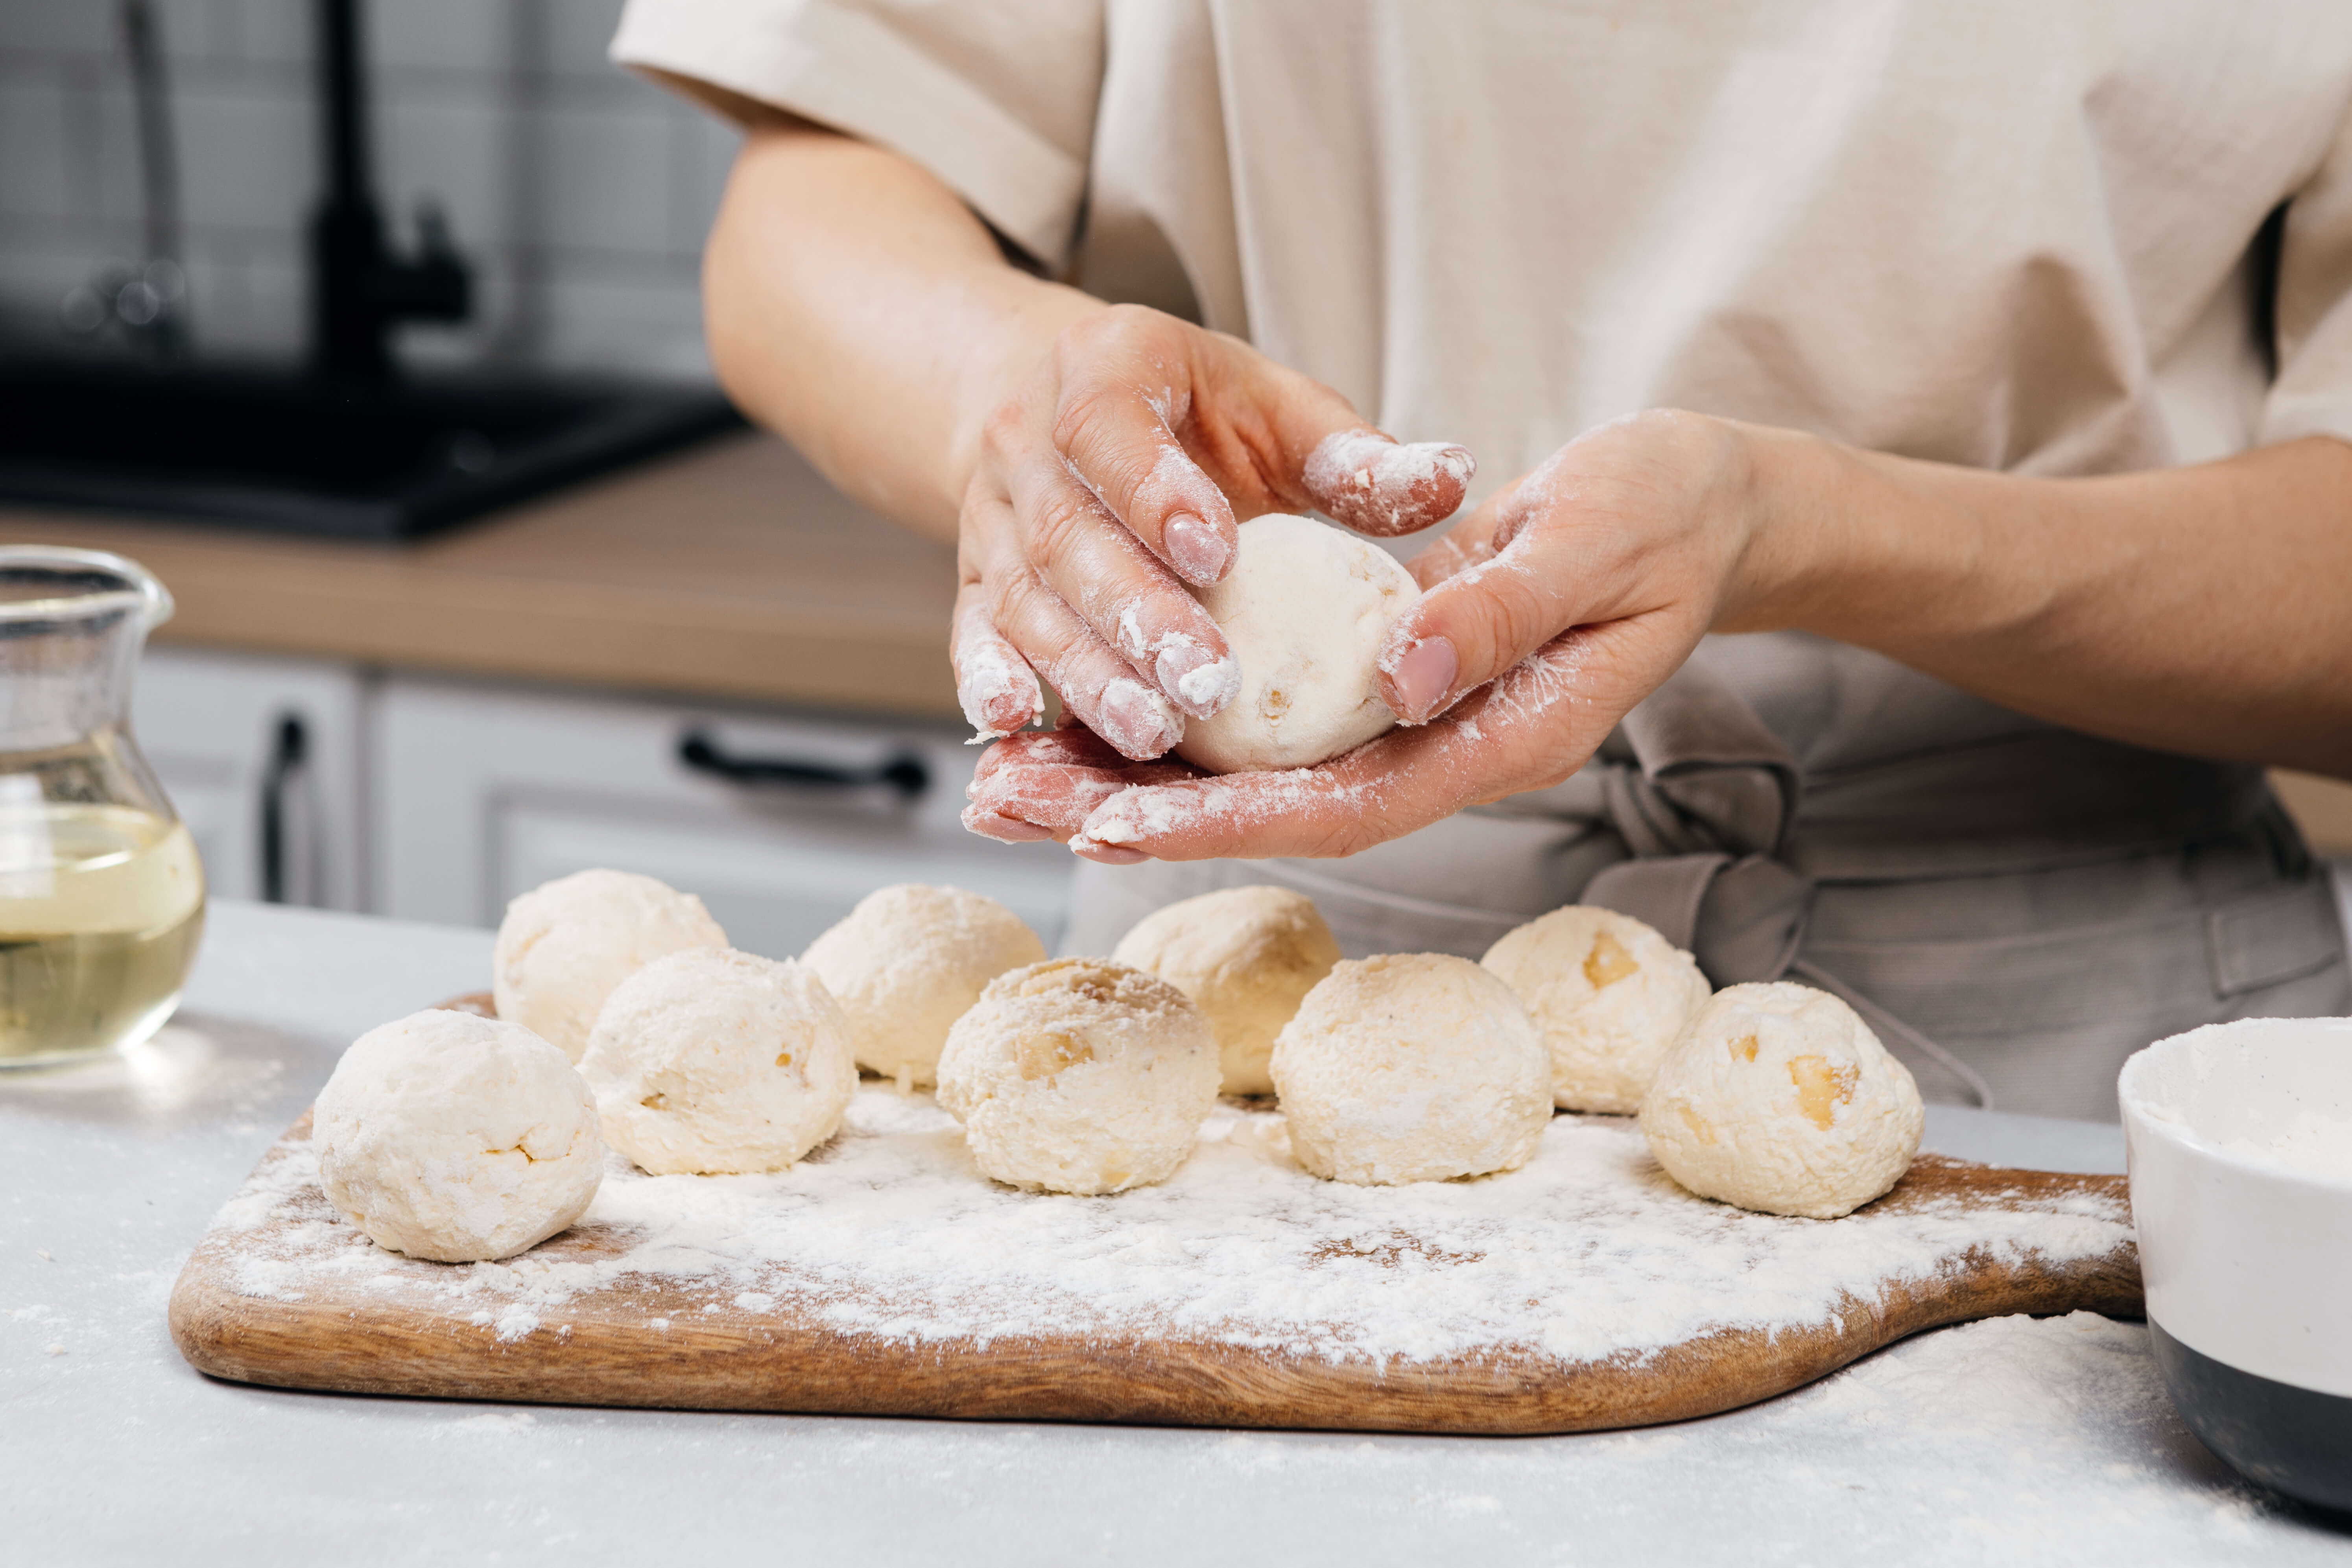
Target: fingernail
(1457, 461)
(1140, 722)
(1014, 714)
(1423, 674)
(1106, 854)
(1199, 684)
(1197, 550)
(998, 697)
(1004, 829)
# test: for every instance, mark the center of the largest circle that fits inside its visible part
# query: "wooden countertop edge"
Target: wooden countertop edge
(727, 572)
(576, 635)
(491, 624)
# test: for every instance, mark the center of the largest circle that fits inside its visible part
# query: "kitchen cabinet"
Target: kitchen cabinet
(262, 757)
(319, 782)
(440, 800)
(779, 822)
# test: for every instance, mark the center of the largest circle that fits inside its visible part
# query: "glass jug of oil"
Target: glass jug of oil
(102, 896)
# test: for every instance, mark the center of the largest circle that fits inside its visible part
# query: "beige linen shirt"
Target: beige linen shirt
(2012, 233)
(2033, 236)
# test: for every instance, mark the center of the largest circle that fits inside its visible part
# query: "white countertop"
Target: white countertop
(1979, 1443)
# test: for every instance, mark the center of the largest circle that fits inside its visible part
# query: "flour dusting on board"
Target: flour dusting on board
(1589, 1252)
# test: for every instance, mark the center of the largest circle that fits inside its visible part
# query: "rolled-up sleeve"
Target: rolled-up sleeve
(997, 97)
(2313, 392)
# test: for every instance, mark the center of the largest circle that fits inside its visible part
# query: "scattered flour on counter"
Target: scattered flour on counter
(490, 1424)
(1587, 1252)
(1982, 1442)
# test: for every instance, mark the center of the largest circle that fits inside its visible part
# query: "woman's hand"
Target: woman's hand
(1089, 460)
(857, 304)
(1559, 604)
(1109, 472)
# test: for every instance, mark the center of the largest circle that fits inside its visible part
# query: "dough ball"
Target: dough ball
(456, 1138)
(1412, 1068)
(1079, 1076)
(1304, 609)
(710, 1062)
(1609, 995)
(1246, 957)
(566, 943)
(1779, 1098)
(910, 961)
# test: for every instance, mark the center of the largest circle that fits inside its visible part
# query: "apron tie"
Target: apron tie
(1703, 796)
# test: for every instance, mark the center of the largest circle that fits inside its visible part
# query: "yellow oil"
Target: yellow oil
(100, 910)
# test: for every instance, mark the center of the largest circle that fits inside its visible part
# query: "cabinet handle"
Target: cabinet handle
(286, 755)
(905, 772)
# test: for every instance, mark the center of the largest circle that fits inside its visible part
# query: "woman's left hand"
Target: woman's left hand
(1550, 611)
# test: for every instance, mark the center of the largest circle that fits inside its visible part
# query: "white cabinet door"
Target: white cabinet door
(262, 757)
(483, 793)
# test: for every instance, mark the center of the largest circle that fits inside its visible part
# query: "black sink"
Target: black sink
(280, 449)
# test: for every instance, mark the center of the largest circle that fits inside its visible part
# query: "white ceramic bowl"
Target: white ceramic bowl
(2247, 1255)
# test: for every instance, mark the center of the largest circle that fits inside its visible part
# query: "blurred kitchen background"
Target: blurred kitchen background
(580, 192)
(701, 663)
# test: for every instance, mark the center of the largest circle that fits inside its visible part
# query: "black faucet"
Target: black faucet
(360, 289)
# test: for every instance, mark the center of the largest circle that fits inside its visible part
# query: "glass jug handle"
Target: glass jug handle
(160, 604)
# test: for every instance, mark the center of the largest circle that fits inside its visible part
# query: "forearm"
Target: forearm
(2200, 609)
(854, 305)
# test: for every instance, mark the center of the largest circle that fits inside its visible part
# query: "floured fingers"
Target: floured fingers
(1128, 599)
(994, 685)
(1531, 728)
(1382, 486)
(1123, 392)
(1046, 783)
(1093, 681)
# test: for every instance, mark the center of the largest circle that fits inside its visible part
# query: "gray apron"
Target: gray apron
(2015, 908)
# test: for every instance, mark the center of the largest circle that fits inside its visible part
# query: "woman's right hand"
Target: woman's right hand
(1091, 458)
(1110, 472)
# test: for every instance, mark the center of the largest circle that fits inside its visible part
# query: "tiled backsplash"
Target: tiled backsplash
(580, 192)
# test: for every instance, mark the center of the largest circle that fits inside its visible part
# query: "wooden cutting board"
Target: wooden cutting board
(281, 1291)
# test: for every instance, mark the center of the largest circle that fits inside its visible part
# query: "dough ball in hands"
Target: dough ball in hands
(1609, 995)
(565, 944)
(1079, 1076)
(1779, 1098)
(1246, 957)
(456, 1138)
(1412, 1068)
(910, 961)
(1305, 610)
(716, 1062)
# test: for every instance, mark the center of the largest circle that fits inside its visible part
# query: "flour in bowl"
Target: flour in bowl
(2310, 1145)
